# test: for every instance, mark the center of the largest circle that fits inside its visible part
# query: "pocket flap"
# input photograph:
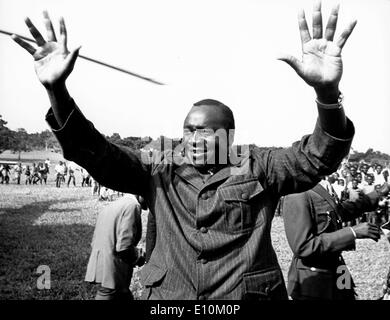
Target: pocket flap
(152, 274)
(241, 191)
(262, 282)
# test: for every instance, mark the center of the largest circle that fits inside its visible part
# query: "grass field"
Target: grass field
(44, 225)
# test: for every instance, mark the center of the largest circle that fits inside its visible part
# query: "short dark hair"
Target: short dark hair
(223, 107)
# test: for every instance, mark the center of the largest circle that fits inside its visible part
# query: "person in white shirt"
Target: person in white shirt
(339, 187)
(369, 186)
(378, 175)
(354, 191)
(60, 172)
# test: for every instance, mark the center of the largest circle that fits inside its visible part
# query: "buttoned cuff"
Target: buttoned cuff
(330, 149)
(52, 121)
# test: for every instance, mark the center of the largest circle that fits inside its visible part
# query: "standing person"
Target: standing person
(47, 163)
(339, 188)
(213, 209)
(354, 191)
(35, 178)
(85, 176)
(5, 173)
(42, 171)
(18, 172)
(95, 187)
(379, 178)
(28, 174)
(71, 171)
(60, 171)
(313, 224)
(369, 185)
(65, 171)
(114, 254)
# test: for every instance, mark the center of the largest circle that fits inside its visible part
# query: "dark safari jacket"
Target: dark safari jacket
(212, 238)
(313, 224)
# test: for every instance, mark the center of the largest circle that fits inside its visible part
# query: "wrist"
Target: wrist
(55, 86)
(327, 94)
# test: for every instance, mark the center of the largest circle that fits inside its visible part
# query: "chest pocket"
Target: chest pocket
(241, 205)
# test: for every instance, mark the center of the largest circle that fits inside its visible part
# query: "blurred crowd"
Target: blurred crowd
(353, 179)
(64, 173)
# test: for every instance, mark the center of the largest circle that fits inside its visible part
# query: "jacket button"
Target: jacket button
(203, 261)
(245, 196)
(267, 290)
(204, 196)
(313, 269)
(202, 297)
(203, 229)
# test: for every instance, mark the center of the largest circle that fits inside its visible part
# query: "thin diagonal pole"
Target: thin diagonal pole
(95, 61)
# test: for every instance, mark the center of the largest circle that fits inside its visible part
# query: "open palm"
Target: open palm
(53, 61)
(321, 63)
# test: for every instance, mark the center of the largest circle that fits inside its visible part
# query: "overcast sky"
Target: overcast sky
(224, 50)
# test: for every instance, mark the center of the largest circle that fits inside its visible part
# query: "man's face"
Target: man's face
(205, 136)
(341, 182)
(369, 180)
(359, 177)
(352, 170)
(354, 184)
(364, 169)
(378, 169)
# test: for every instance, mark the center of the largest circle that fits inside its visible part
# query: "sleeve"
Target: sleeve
(301, 230)
(113, 166)
(129, 229)
(352, 209)
(300, 167)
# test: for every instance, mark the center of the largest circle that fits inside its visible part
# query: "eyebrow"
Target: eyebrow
(193, 127)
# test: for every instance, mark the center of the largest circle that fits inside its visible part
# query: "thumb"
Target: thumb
(292, 61)
(72, 56)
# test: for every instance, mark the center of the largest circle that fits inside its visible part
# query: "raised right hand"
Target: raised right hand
(53, 61)
(367, 230)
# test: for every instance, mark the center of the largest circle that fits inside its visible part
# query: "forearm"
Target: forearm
(352, 209)
(60, 102)
(333, 121)
(83, 144)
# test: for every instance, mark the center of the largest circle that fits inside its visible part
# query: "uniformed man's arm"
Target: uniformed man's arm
(365, 203)
(301, 229)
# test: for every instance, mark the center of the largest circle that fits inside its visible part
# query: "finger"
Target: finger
(71, 58)
(34, 32)
(317, 20)
(51, 35)
(303, 28)
(293, 62)
(345, 35)
(375, 235)
(372, 225)
(63, 35)
(332, 23)
(23, 44)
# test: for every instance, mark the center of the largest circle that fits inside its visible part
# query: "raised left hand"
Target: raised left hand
(321, 65)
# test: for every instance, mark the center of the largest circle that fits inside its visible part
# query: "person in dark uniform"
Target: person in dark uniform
(313, 224)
